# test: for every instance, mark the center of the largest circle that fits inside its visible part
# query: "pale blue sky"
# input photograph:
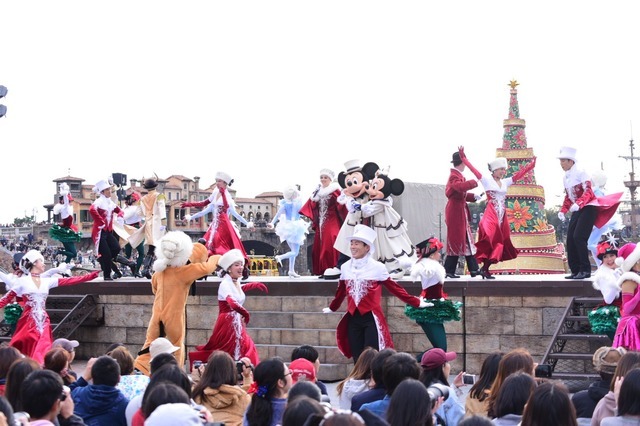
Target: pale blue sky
(273, 91)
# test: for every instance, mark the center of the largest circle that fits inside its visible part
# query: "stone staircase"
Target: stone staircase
(66, 314)
(572, 346)
(280, 323)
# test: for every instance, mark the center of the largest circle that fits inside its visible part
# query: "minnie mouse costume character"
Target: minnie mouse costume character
(393, 246)
(361, 282)
(290, 227)
(431, 273)
(222, 235)
(66, 232)
(587, 210)
(327, 216)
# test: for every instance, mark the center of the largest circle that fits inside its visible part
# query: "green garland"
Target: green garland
(443, 310)
(604, 319)
(12, 313)
(64, 235)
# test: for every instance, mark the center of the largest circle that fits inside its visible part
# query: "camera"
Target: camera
(198, 364)
(436, 391)
(469, 379)
(544, 371)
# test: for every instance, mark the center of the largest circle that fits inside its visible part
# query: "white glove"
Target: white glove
(270, 225)
(120, 220)
(187, 217)
(574, 208)
(477, 197)
(424, 304)
(250, 225)
(326, 310)
(561, 216)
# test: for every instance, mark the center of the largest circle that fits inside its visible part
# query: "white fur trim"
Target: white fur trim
(329, 173)
(323, 192)
(567, 152)
(606, 281)
(229, 258)
(174, 249)
(224, 176)
(628, 276)
(498, 163)
(631, 259)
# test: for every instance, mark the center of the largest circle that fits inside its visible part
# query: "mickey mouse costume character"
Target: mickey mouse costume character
(494, 235)
(604, 318)
(222, 235)
(361, 283)
(179, 263)
(587, 210)
(33, 331)
(457, 217)
(290, 227)
(230, 330)
(353, 195)
(66, 232)
(152, 208)
(432, 274)
(393, 245)
(327, 216)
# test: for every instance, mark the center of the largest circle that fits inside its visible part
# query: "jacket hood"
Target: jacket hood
(224, 397)
(97, 399)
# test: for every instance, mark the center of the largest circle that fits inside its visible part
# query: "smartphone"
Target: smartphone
(543, 370)
(469, 379)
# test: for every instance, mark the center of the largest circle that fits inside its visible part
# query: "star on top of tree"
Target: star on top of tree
(514, 83)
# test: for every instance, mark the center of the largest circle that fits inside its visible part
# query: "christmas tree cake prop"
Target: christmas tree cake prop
(531, 234)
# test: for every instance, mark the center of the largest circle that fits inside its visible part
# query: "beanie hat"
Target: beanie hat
(605, 359)
(229, 258)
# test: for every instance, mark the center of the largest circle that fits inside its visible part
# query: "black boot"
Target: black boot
(126, 262)
(146, 266)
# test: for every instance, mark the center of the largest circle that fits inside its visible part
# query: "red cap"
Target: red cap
(436, 357)
(302, 369)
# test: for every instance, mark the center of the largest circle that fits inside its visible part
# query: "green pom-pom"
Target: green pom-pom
(12, 313)
(604, 319)
(443, 310)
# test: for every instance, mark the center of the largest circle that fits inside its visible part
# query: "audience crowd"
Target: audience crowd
(384, 388)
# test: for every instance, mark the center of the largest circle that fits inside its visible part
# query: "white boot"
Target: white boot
(292, 274)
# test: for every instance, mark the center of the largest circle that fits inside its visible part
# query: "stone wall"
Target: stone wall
(287, 318)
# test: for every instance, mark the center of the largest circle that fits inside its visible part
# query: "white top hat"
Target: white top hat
(365, 234)
(229, 258)
(498, 163)
(327, 172)
(101, 186)
(353, 165)
(224, 176)
(568, 153)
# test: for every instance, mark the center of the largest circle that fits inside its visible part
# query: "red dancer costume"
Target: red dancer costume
(230, 330)
(327, 216)
(494, 235)
(587, 211)
(361, 283)
(222, 235)
(33, 331)
(457, 217)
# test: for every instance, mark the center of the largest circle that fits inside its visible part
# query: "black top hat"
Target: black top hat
(150, 184)
(455, 158)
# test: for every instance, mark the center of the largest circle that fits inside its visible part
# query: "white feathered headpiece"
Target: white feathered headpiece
(174, 249)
